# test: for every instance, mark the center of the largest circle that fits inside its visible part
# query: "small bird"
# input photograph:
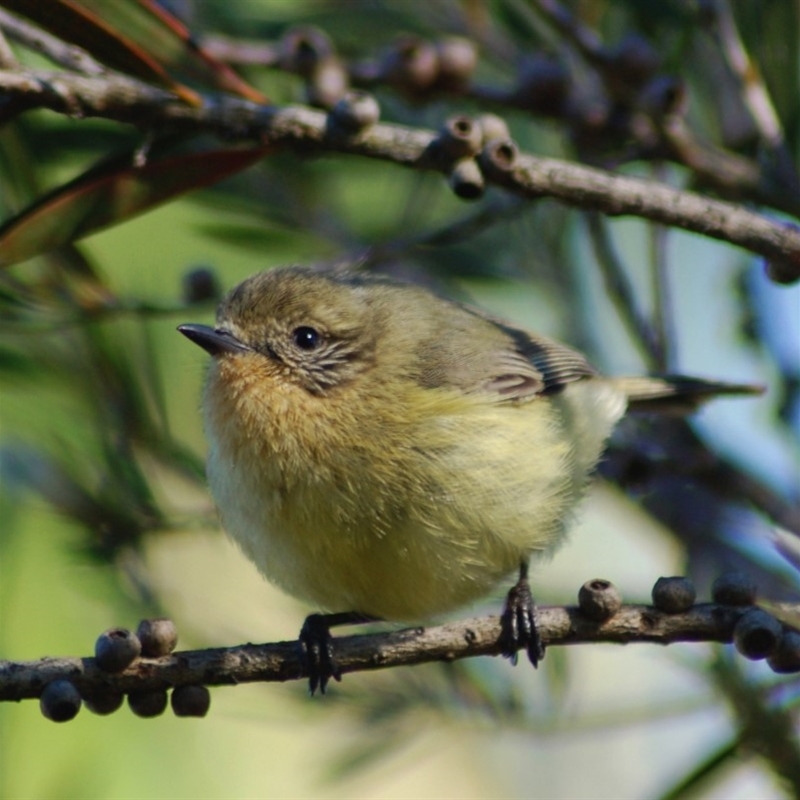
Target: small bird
(384, 453)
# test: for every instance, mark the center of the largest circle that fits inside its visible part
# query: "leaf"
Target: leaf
(192, 57)
(709, 770)
(112, 191)
(787, 613)
(137, 37)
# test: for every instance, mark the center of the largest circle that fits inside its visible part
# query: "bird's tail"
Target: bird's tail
(677, 394)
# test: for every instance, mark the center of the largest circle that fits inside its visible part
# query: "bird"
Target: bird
(385, 453)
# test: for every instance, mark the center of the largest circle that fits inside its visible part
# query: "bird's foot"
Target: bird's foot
(317, 643)
(518, 624)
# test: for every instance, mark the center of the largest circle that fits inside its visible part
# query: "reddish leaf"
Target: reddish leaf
(112, 191)
(72, 23)
(221, 74)
(136, 37)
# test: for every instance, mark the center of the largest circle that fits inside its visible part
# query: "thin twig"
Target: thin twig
(127, 100)
(65, 55)
(683, 456)
(663, 327)
(242, 52)
(766, 728)
(584, 39)
(284, 661)
(754, 93)
(621, 292)
(620, 195)
(7, 58)
(727, 171)
(756, 98)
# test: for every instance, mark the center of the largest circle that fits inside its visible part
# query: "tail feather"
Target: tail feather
(677, 394)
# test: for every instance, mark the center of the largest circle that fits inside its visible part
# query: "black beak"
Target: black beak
(214, 341)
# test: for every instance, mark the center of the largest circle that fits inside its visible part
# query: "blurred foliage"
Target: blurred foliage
(101, 453)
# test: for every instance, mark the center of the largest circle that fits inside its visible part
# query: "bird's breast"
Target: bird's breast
(401, 502)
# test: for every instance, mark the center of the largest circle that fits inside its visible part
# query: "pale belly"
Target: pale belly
(414, 536)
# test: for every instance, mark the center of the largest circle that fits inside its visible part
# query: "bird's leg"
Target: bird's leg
(518, 621)
(317, 643)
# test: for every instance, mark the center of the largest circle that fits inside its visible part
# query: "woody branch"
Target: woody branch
(284, 661)
(127, 100)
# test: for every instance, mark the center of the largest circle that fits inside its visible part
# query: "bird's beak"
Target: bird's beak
(214, 341)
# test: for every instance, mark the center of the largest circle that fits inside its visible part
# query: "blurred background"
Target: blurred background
(105, 518)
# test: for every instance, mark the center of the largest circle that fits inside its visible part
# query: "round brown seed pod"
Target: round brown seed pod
(116, 649)
(303, 48)
(674, 595)
(634, 60)
(599, 599)
(786, 657)
(459, 137)
(60, 701)
(543, 85)
(493, 127)
(499, 155)
(663, 95)
(158, 636)
(783, 271)
(466, 179)
(103, 701)
(327, 84)
(411, 65)
(200, 285)
(733, 589)
(457, 61)
(148, 702)
(190, 701)
(355, 111)
(757, 634)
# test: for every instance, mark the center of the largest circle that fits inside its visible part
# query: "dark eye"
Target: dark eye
(306, 338)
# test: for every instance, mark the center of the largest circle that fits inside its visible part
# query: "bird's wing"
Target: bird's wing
(476, 353)
(533, 365)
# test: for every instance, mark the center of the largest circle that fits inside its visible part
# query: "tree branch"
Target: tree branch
(283, 661)
(544, 88)
(66, 55)
(127, 100)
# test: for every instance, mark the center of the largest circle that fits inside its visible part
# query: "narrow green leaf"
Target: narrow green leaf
(705, 773)
(111, 192)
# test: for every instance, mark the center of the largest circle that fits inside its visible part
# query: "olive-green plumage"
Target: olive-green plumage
(376, 448)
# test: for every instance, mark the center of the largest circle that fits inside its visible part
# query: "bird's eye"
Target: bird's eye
(306, 338)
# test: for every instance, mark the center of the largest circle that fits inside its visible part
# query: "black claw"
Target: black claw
(317, 644)
(519, 623)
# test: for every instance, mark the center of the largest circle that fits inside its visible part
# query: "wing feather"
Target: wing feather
(498, 359)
